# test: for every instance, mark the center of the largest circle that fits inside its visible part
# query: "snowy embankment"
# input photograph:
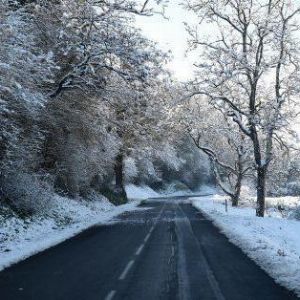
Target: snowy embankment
(21, 238)
(140, 192)
(145, 192)
(272, 242)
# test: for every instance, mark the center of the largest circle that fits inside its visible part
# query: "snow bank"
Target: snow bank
(20, 239)
(175, 189)
(272, 242)
(206, 190)
(172, 191)
(145, 192)
(140, 192)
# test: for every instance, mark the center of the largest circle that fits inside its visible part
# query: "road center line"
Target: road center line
(147, 237)
(126, 270)
(140, 249)
(110, 295)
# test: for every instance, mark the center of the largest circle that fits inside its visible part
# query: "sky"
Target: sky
(170, 34)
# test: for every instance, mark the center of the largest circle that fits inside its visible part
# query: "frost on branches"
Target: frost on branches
(249, 70)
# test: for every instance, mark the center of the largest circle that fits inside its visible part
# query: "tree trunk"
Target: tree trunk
(238, 185)
(236, 197)
(261, 190)
(119, 187)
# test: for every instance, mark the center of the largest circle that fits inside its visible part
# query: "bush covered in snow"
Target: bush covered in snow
(25, 194)
(295, 214)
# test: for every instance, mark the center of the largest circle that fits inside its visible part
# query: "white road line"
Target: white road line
(140, 249)
(126, 270)
(110, 295)
(147, 237)
(173, 250)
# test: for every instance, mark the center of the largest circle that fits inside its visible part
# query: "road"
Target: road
(166, 250)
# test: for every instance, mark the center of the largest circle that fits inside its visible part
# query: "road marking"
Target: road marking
(126, 270)
(139, 250)
(110, 295)
(147, 237)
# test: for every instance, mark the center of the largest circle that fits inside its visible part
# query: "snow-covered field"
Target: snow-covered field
(20, 238)
(272, 242)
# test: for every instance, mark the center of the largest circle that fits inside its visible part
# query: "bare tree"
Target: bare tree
(249, 70)
(223, 142)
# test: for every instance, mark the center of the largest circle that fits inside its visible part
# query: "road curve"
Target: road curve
(168, 250)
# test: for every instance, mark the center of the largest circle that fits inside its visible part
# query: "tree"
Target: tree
(75, 89)
(104, 70)
(250, 70)
(137, 111)
(24, 69)
(223, 143)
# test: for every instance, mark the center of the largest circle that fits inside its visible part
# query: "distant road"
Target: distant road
(167, 251)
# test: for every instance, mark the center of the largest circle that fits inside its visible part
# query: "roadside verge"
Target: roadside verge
(272, 242)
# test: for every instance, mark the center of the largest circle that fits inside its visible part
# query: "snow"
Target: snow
(135, 192)
(272, 242)
(20, 238)
(172, 191)
(145, 192)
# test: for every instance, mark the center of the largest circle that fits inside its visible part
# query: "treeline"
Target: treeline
(245, 96)
(84, 102)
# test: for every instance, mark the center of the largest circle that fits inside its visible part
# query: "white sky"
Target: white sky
(171, 35)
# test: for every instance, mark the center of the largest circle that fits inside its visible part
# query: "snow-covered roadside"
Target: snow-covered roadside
(135, 192)
(172, 191)
(20, 238)
(145, 192)
(272, 242)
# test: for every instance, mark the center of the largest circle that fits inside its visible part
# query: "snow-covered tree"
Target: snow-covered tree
(250, 68)
(75, 88)
(223, 143)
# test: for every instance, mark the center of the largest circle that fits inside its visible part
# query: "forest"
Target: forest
(87, 105)
(93, 122)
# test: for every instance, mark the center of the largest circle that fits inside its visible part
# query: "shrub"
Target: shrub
(114, 197)
(25, 194)
(296, 214)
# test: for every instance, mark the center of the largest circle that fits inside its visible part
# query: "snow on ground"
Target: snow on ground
(172, 190)
(140, 192)
(272, 242)
(20, 238)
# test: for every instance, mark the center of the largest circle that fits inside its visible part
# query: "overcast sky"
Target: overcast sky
(171, 35)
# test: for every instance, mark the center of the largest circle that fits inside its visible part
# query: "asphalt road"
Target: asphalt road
(168, 250)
